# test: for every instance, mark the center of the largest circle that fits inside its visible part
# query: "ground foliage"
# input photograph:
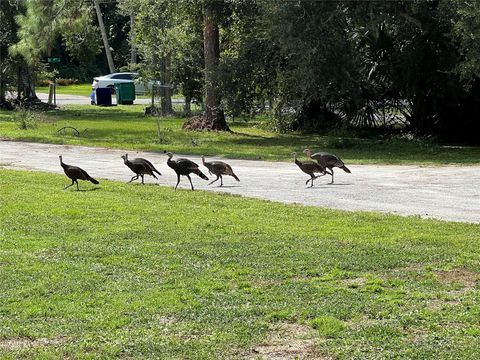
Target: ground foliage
(132, 271)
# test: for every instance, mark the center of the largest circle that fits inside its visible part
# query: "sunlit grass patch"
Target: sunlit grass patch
(144, 271)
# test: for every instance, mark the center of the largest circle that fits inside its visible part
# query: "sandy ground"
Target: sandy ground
(444, 192)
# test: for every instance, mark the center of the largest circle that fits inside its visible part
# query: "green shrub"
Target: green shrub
(26, 120)
(280, 124)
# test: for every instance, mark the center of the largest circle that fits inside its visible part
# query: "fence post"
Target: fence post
(50, 93)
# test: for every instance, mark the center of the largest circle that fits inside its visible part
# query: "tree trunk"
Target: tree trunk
(214, 116)
(166, 102)
(133, 50)
(3, 89)
(25, 83)
(111, 66)
(187, 109)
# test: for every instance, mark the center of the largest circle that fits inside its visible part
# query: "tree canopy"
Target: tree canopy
(311, 65)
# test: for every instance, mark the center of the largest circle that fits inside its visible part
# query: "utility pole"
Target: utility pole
(111, 66)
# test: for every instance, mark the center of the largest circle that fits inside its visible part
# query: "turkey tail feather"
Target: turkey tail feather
(344, 168)
(199, 173)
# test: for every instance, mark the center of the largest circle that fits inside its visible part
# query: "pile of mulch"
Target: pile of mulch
(33, 105)
(195, 123)
(200, 123)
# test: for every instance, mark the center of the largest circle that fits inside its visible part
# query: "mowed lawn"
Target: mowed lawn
(77, 89)
(132, 271)
(126, 127)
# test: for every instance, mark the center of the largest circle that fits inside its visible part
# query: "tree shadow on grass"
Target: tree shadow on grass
(102, 113)
(86, 190)
(133, 183)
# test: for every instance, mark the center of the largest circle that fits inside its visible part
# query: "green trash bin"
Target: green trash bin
(125, 93)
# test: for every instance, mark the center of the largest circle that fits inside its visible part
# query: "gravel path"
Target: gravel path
(445, 192)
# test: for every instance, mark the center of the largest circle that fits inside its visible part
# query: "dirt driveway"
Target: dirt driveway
(445, 192)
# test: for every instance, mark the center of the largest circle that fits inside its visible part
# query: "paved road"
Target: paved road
(446, 192)
(63, 99)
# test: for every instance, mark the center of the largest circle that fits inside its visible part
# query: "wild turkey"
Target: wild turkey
(184, 167)
(327, 161)
(310, 168)
(75, 173)
(140, 167)
(218, 168)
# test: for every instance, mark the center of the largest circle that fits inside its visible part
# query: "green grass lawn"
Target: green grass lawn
(126, 127)
(79, 89)
(131, 271)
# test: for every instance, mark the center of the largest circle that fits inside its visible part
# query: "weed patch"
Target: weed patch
(287, 341)
(328, 326)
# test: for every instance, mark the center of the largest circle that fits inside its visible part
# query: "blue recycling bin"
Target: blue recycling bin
(103, 96)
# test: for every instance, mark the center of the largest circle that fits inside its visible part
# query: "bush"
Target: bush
(84, 73)
(43, 82)
(426, 141)
(26, 120)
(281, 124)
(65, 82)
(61, 82)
